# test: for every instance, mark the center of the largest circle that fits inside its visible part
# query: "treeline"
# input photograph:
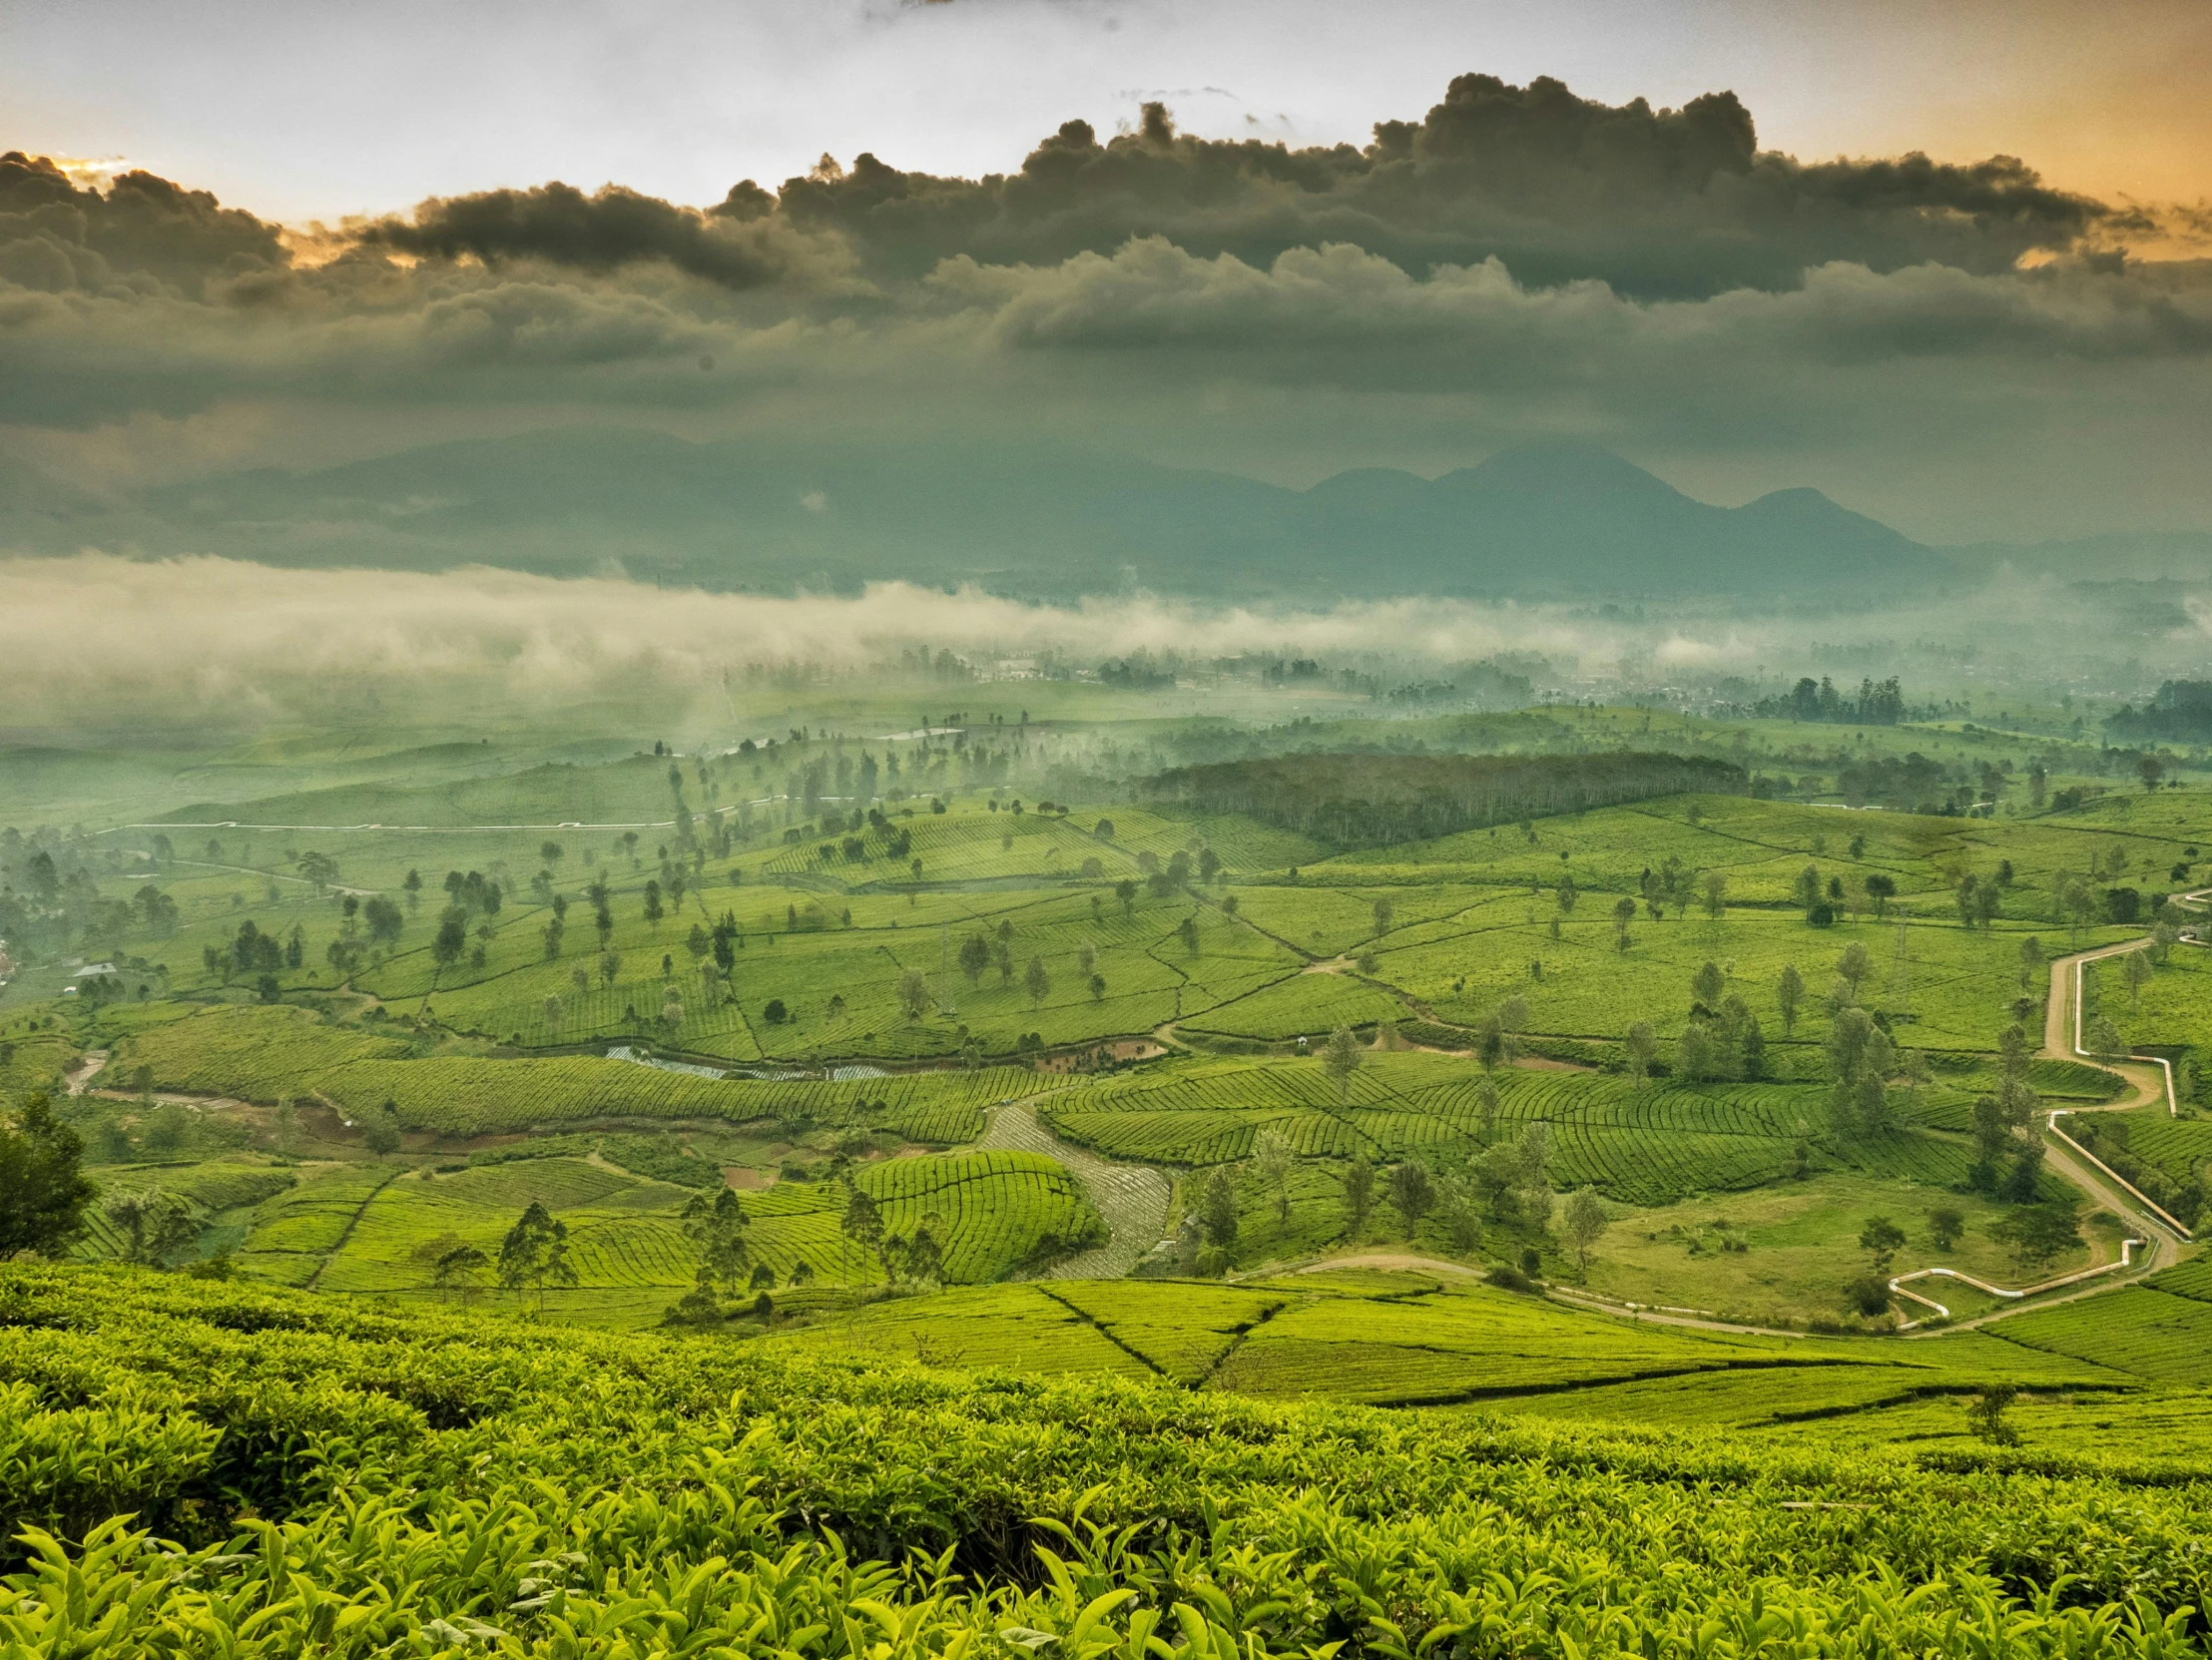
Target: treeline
(2180, 712)
(1878, 704)
(1372, 800)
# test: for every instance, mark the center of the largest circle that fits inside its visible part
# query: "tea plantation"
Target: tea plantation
(203, 1469)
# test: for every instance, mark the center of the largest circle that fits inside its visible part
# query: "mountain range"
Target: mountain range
(1542, 521)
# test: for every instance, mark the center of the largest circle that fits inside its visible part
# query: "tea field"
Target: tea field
(338, 1056)
(292, 1473)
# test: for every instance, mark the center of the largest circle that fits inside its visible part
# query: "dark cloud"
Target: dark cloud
(141, 232)
(1518, 259)
(1655, 203)
(738, 244)
(1658, 203)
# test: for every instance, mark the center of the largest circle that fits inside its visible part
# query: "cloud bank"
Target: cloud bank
(1961, 347)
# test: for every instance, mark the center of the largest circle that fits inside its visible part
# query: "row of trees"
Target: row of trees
(1374, 799)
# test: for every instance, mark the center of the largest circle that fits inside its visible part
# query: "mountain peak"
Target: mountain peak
(1563, 467)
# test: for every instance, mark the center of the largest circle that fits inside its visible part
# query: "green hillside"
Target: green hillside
(194, 1469)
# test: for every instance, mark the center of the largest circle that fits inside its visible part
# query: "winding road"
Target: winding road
(2149, 1079)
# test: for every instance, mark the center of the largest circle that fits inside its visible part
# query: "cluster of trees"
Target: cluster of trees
(470, 897)
(1723, 1038)
(43, 1190)
(1506, 1183)
(1878, 704)
(2179, 712)
(253, 953)
(1913, 782)
(2009, 1153)
(2107, 1137)
(982, 950)
(1360, 799)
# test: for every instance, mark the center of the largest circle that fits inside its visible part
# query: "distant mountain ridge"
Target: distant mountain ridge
(1537, 521)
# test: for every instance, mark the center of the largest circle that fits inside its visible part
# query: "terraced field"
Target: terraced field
(263, 1053)
(1643, 1145)
(1398, 1338)
(2151, 1333)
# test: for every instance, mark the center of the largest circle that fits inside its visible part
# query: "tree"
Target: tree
(1036, 982)
(1485, 1101)
(1383, 912)
(1881, 1238)
(1490, 1042)
(1584, 1219)
(610, 964)
(1624, 913)
(921, 1256)
(2032, 960)
(384, 921)
(2036, 1234)
(1412, 1193)
(534, 1255)
(1945, 1223)
(1750, 1046)
(717, 1227)
(154, 1225)
(1339, 1060)
(1126, 891)
(451, 940)
(1512, 1020)
(412, 887)
(1854, 966)
(380, 1130)
(1217, 1207)
(2135, 968)
(1804, 888)
(862, 1225)
(43, 1190)
(975, 956)
(1695, 1057)
(2150, 770)
(1272, 1162)
(459, 1270)
(1880, 889)
(1868, 1294)
(1788, 993)
(1986, 1417)
(1359, 1195)
(1707, 986)
(1566, 893)
(1640, 1048)
(913, 994)
(1716, 895)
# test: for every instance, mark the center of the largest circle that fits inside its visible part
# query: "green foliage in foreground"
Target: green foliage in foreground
(350, 1483)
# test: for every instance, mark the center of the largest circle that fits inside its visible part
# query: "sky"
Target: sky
(1792, 264)
(317, 112)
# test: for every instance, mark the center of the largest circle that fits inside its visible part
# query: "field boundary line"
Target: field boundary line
(1092, 1321)
(1237, 1339)
(352, 1222)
